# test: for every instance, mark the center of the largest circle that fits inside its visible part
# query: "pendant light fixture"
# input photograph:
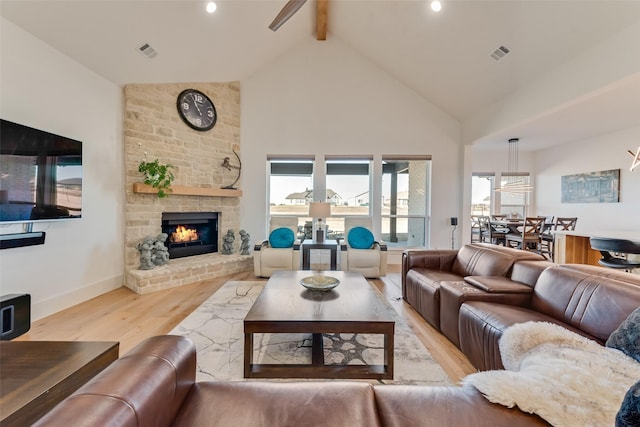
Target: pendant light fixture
(636, 159)
(515, 181)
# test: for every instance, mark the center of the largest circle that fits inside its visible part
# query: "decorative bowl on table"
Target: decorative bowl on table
(319, 282)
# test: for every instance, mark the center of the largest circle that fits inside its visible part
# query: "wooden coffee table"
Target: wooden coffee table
(36, 375)
(285, 306)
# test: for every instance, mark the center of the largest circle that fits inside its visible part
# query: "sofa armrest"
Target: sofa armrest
(382, 246)
(434, 259)
(259, 246)
(498, 285)
(146, 387)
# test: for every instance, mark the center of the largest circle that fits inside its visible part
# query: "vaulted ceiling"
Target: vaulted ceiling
(444, 57)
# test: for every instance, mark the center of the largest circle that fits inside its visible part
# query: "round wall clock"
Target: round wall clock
(196, 109)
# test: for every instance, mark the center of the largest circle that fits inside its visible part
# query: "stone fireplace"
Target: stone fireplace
(153, 130)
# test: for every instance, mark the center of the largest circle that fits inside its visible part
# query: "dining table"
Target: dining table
(511, 224)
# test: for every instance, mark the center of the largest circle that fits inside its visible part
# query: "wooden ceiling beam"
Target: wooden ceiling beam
(321, 19)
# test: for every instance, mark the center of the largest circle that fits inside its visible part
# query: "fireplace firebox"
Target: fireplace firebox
(190, 233)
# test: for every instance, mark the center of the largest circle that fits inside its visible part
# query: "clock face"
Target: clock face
(196, 109)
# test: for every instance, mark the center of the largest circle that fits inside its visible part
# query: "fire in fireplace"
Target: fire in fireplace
(190, 233)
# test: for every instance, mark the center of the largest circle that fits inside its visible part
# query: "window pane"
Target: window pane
(348, 192)
(514, 203)
(290, 188)
(404, 201)
(481, 194)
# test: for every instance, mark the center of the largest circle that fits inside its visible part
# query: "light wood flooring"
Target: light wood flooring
(124, 316)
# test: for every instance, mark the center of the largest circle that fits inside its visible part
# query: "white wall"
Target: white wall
(605, 64)
(82, 258)
(595, 154)
(324, 98)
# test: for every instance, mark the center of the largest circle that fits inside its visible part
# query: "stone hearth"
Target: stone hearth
(183, 271)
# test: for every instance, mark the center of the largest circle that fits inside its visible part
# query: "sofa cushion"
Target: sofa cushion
(594, 304)
(626, 337)
(360, 238)
(281, 237)
(481, 325)
(248, 404)
(482, 259)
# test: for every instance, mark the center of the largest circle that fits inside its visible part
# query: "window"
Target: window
(404, 200)
(291, 189)
(394, 193)
(482, 185)
(514, 203)
(348, 185)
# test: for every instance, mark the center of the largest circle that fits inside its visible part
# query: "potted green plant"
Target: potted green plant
(157, 175)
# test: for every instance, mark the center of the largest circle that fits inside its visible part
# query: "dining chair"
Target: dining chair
(492, 233)
(498, 217)
(548, 238)
(476, 232)
(529, 237)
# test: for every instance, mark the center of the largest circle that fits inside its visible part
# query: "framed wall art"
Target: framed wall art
(591, 187)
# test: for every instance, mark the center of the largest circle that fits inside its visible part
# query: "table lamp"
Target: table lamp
(319, 210)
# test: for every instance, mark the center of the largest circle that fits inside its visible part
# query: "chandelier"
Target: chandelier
(515, 180)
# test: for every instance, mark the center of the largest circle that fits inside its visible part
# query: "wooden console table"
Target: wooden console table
(573, 247)
(37, 375)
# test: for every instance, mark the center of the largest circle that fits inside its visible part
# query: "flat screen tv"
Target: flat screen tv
(40, 175)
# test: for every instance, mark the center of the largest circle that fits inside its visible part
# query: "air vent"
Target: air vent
(499, 53)
(147, 51)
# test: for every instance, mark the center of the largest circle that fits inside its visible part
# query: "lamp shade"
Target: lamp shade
(319, 210)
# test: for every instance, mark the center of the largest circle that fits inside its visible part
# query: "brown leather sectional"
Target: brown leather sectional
(474, 294)
(154, 385)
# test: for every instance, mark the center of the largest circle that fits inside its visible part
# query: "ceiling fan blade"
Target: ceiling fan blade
(287, 12)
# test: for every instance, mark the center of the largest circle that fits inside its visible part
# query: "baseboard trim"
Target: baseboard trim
(69, 299)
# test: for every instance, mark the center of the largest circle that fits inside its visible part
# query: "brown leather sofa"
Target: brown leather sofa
(588, 300)
(154, 385)
(424, 271)
(472, 310)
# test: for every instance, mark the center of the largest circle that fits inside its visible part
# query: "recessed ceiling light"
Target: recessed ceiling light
(211, 7)
(436, 6)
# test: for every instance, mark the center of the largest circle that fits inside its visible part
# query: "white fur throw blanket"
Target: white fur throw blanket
(565, 378)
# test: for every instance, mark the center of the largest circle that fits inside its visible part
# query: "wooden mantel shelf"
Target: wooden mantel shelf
(139, 187)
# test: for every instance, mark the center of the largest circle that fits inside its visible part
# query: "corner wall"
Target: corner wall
(42, 88)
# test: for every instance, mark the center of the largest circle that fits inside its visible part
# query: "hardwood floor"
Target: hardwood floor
(124, 316)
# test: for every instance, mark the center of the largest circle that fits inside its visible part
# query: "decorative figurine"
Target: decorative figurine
(244, 245)
(160, 253)
(145, 248)
(227, 246)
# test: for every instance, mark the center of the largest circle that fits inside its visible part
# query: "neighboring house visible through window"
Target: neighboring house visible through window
(396, 196)
(289, 184)
(349, 181)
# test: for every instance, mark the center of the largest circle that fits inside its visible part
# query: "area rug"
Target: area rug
(216, 328)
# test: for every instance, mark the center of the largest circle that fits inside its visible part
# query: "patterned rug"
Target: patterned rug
(216, 328)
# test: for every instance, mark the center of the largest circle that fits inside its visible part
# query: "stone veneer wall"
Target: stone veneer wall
(152, 125)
